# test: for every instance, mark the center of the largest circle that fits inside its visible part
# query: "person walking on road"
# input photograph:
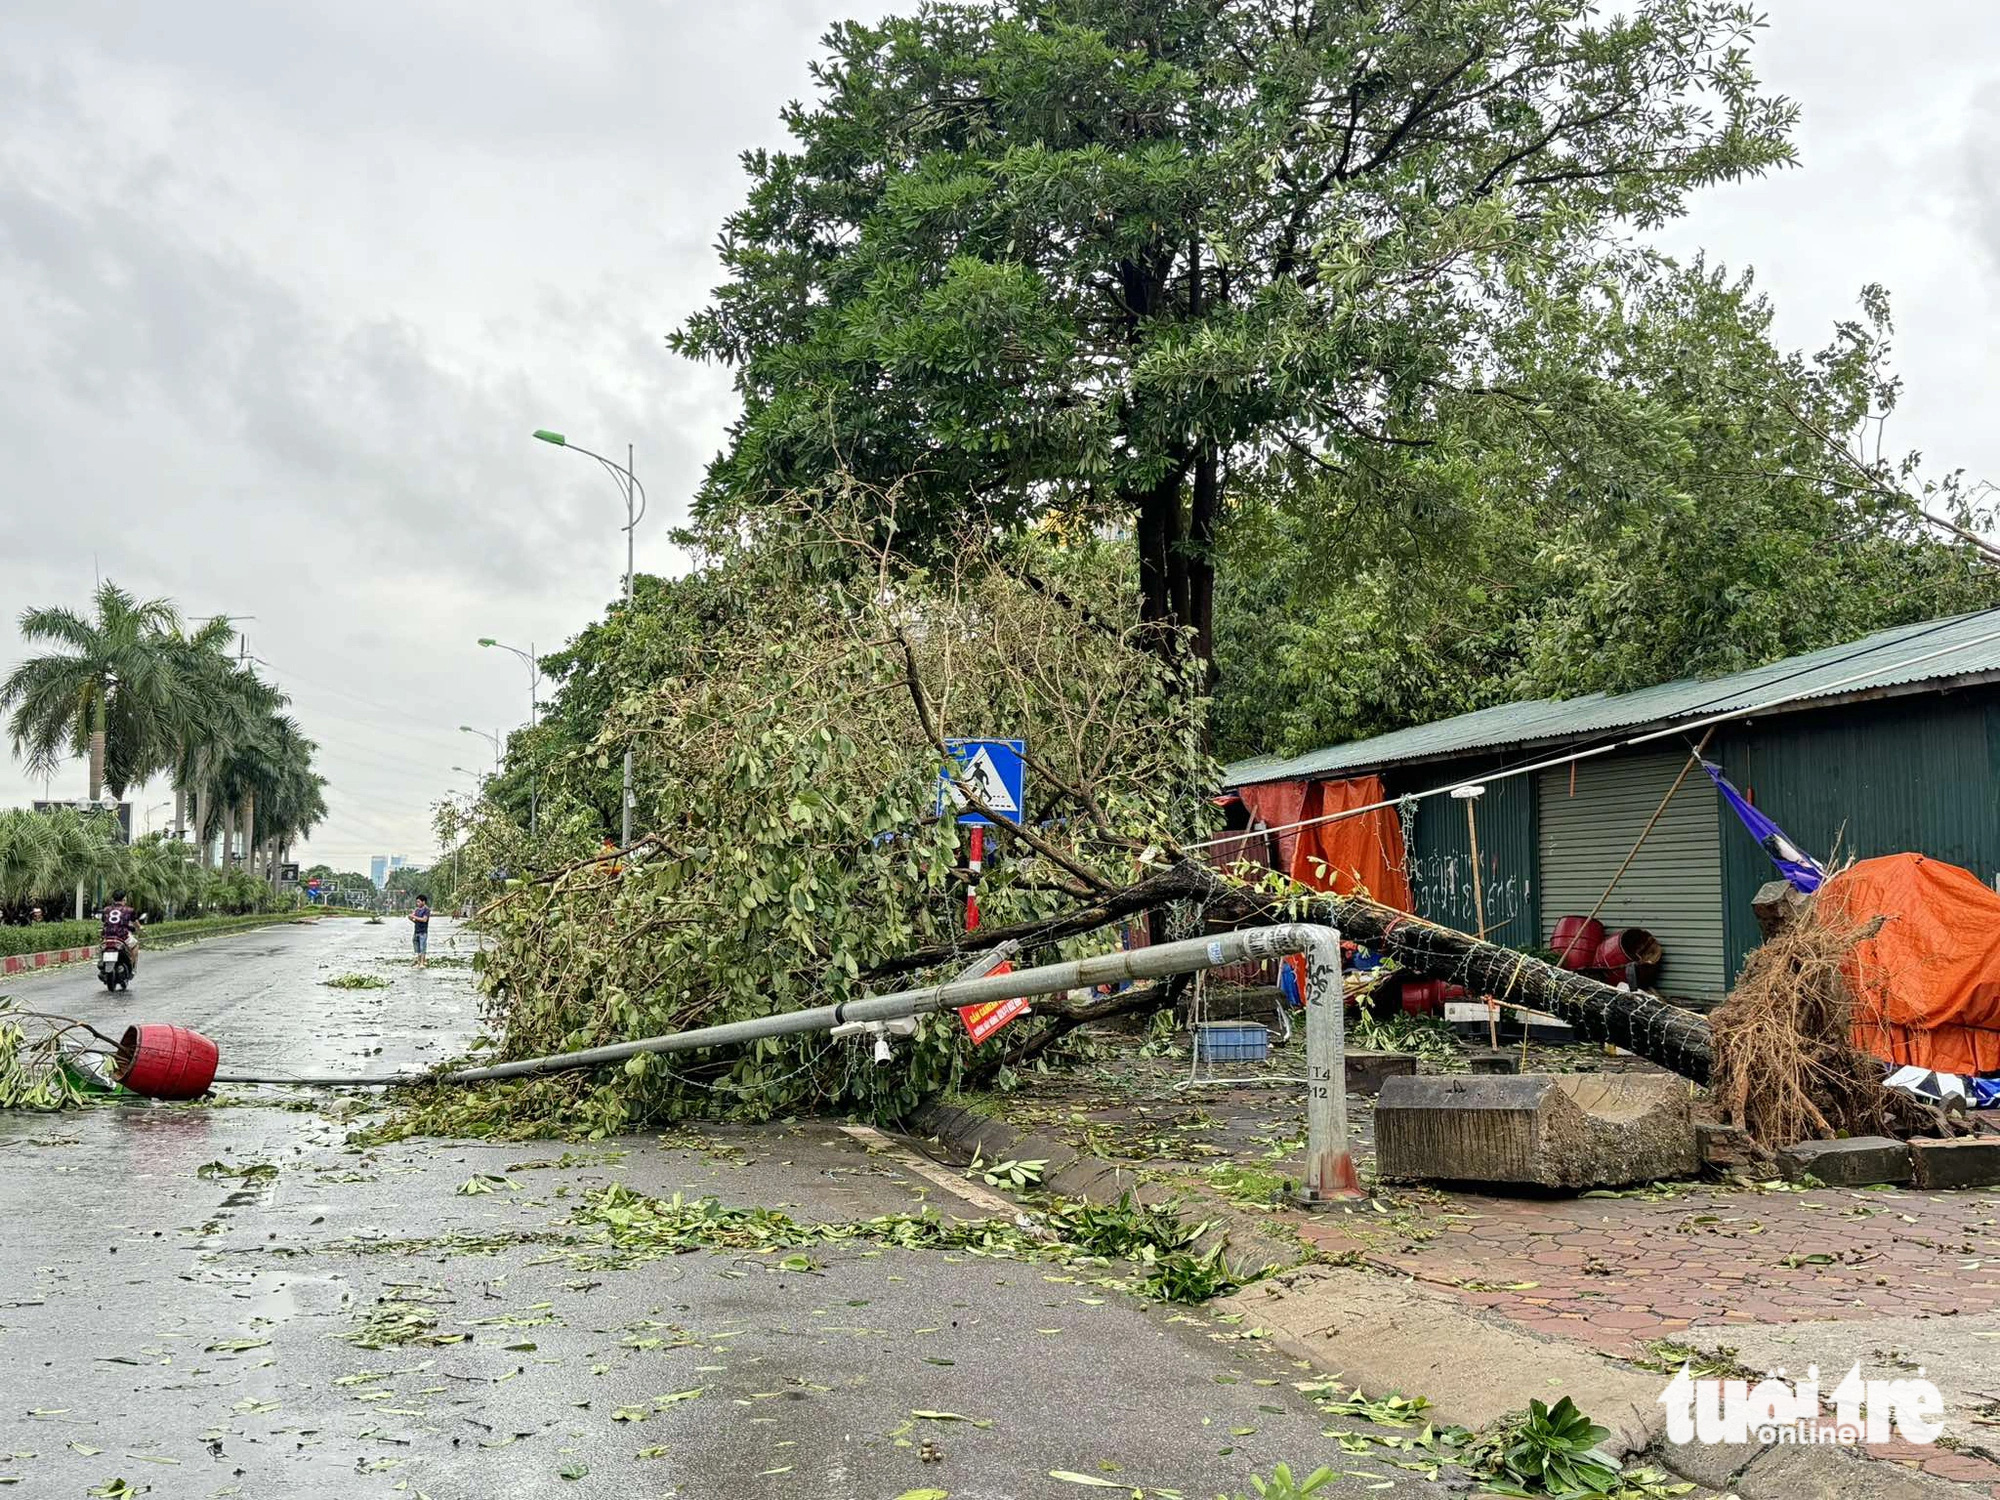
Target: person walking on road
(420, 930)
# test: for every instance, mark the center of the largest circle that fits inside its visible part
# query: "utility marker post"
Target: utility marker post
(1330, 1173)
(1470, 796)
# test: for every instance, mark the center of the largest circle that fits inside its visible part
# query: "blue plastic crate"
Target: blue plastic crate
(1231, 1041)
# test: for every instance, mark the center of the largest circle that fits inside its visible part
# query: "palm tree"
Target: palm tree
(211, 713)
(230, 755)
(287, 795)
(47, 854)
(161, 875)
(109, 691)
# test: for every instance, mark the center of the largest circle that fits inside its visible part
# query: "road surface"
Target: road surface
(205, 1333)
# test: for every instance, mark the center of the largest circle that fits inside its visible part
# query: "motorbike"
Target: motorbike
(114, 964)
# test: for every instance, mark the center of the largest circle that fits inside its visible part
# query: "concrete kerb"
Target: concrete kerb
(1383, 1335)
(1248, 1246)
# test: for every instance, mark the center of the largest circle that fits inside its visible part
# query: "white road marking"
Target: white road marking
(976, 1193)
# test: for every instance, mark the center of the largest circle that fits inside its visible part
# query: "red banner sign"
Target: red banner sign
(981, 1021)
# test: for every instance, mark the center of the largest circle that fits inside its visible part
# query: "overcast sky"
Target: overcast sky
(287, 285)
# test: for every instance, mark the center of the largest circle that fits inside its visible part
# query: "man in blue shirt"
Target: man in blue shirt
(420, 930)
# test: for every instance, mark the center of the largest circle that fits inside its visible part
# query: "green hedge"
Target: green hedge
(46, 937)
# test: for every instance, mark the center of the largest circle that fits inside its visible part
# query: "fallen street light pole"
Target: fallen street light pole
(1329, 1171)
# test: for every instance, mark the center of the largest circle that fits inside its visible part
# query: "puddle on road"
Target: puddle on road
(274, 1297)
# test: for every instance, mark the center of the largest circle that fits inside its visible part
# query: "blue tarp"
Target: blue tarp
(1798, 867)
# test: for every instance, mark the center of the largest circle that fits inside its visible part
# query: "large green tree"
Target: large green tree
(1115, 259)
(1705, 525)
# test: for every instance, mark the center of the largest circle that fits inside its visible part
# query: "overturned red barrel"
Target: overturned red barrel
(165, 1062)
(1576, 941)
(1423, 995)
(1630, 945)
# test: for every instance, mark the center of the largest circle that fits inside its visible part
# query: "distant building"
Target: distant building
(378, 870)
(397, 861)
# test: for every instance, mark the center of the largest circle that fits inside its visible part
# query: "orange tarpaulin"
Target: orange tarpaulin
(1361, 854)
(1927, 984)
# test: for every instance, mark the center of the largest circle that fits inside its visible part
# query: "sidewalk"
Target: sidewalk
(1735, 1277)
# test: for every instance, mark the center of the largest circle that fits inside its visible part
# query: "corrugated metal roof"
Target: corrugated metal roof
(1964, 645)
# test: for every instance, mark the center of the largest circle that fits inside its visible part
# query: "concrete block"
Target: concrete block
(1496, 1062)
(1566, 1130)
(1968, 1163)
(1367, 1070)
(1855, 1162)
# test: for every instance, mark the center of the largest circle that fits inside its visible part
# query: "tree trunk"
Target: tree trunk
(1157, 530)
(228, 833)
(1176, 544)
(180, 811)
(1674, 1038)
(97, 761)
(1198, 557)
(249, 832)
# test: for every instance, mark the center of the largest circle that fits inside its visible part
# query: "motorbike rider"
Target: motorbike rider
(121, 926)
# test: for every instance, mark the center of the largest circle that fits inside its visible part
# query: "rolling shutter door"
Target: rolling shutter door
(1673, 888)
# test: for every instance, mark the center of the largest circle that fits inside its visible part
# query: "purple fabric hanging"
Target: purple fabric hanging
(1798, 867)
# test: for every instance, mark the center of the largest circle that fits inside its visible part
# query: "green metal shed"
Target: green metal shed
(1881, 745)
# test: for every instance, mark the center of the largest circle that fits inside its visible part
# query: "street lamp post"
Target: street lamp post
(494, 738)
(534, 718)
(635, 508)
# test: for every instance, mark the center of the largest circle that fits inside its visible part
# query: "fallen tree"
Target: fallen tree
(1676, 1039)
(790, 705)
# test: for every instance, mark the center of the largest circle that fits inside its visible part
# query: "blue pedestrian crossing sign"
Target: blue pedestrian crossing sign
(996, 773)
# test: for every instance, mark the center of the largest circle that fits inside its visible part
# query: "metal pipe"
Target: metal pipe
(1329, 1156)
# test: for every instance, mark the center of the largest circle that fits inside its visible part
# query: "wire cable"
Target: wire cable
(1682, 727)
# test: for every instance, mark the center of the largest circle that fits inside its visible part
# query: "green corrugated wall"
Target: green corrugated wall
(1440, 856)
(1918, 774)
(1593, 814)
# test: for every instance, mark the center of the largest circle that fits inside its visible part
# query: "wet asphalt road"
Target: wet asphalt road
(195, 1333)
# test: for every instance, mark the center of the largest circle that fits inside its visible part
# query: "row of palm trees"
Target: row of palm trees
(45, 856)
(138, 693)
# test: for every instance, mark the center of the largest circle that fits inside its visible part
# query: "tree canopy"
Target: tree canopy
(1120, 259)
(1706, 525)
(790, 729)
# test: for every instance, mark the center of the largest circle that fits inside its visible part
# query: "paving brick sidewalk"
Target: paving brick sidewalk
(1891, 1278)
(1707, 1268)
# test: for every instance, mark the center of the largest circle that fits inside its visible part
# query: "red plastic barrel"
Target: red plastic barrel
(1631, 945)
(1424, 995)
(1576, 941)
(165, 1062)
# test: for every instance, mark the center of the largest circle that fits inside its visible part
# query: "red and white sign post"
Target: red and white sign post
(981, 1021)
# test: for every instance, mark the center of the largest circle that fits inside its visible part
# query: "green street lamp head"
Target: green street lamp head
(487, 640)
(467, 729)
(552, 437)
